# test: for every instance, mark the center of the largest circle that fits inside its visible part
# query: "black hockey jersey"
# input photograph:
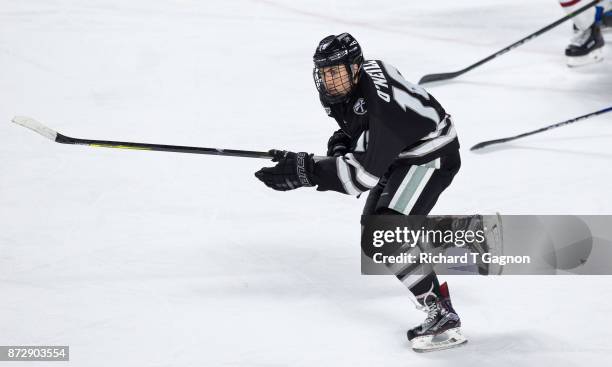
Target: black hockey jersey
(387, 118)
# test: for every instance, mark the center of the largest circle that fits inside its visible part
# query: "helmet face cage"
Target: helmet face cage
(334, 74)
(334, 82)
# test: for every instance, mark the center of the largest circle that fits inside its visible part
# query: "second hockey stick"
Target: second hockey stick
(49, 133)
(445, 76)
(550, 127)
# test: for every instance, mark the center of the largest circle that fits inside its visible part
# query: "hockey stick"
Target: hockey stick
(43, 130)
(550, 127)
(445, 76)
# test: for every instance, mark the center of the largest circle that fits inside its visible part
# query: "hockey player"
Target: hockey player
(587, 44)
(603, 15)
(396, 141)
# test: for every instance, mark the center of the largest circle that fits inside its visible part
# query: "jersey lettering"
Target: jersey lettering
(378, 78)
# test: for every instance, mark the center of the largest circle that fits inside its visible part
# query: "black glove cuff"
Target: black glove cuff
(304, 165)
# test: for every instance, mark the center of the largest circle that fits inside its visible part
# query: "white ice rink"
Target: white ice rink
(159, 259)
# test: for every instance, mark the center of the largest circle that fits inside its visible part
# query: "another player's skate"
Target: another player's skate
(494, 244)
(442, 327)
(586, 47)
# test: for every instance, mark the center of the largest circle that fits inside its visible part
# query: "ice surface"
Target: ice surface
(157, 259)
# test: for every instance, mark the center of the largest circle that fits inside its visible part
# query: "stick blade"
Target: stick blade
(36, 126)
(429, 78)
(484, 144)
(479, 146)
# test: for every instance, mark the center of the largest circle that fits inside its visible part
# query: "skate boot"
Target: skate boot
(606, 20)
(442, 327)
(491, 225)
(493, 244)
(586, 47)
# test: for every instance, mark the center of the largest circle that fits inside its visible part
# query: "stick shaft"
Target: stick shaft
(161, 147)
(533, 132)
(445, 76)
(53, 135)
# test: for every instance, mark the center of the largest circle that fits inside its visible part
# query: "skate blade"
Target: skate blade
(594, 57)
(451, 338)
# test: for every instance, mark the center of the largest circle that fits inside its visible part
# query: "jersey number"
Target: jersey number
(406, 100)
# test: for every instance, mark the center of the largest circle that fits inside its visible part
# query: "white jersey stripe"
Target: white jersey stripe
(363, 176)
(431, 145)
(360, 147)
(406, 100)
(344, 174)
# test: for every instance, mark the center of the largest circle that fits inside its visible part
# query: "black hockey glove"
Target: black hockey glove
(338, 144)
(293, 170)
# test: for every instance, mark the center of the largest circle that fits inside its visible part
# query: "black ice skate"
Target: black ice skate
(442, 327)
(586, 47)
(493, 245)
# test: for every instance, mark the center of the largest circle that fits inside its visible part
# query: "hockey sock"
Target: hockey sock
(582, 21)
(426, 289)
(420, 279)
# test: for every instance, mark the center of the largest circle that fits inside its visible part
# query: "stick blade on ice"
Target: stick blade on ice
(36, 126)
(429, 78)
(487, 143)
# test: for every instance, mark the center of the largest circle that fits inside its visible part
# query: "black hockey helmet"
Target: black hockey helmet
(339, 52)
